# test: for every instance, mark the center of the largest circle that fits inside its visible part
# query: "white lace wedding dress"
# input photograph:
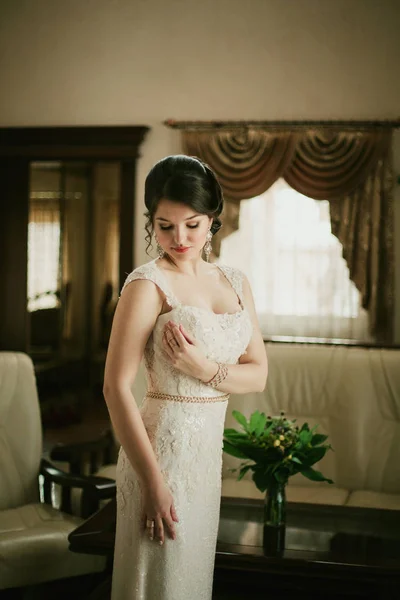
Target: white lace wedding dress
(184, 419)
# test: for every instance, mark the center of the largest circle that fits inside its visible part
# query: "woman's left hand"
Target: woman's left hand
(184, 352)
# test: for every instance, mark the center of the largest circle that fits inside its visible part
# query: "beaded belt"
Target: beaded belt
(161, 396)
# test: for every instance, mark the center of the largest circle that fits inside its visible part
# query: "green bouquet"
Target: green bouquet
(275, 448)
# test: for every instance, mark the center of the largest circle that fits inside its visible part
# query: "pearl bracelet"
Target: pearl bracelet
(219, 376)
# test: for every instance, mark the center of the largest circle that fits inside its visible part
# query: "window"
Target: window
(43, 251)
(300, 281)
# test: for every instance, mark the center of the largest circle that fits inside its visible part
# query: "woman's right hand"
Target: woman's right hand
(158, 506)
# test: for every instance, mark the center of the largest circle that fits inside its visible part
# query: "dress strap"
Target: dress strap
(235, 278)
(151, 272)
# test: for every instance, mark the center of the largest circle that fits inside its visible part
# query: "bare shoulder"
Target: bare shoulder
(248, 301)
(247, 291)
(147, 271)
(139, 306)
(135, 317)
(140, 302)
(137, 288)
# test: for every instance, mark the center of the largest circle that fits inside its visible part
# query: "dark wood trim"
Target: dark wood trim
(90, 273)
(126, 219)
(94, 488)
(14, 207)
(297, 124)
(54, 143)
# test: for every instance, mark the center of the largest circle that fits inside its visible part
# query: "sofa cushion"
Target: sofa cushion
(329, 494)
(368, 499)
(33, 543)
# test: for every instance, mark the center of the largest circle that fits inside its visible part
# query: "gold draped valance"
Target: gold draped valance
(320, 164)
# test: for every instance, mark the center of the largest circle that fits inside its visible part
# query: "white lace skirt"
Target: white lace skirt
(187, 439)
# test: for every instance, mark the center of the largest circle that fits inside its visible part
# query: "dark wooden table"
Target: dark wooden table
(331, 551)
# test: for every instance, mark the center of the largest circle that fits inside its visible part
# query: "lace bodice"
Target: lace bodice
(222, 337)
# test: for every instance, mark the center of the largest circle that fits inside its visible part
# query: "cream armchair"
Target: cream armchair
(34, 534)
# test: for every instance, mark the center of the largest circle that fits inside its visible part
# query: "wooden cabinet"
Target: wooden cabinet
(65, 165)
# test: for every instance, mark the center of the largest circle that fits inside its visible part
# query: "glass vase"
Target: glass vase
(274, 519)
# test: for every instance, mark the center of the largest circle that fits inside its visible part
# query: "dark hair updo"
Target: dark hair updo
(183, 179)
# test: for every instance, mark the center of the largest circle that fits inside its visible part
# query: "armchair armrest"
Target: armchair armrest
(96, 453)
(93, 488)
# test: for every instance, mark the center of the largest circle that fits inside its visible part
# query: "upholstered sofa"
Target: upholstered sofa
(353, 394)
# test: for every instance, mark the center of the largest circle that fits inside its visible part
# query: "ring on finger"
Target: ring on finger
(149, 523)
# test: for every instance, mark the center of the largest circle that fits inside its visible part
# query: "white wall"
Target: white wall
(83, 62)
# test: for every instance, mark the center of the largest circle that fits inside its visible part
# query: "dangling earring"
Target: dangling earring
(207, 246)
(160, 251)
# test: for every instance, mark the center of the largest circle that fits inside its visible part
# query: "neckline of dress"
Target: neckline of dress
(203, 309)
(178, 304)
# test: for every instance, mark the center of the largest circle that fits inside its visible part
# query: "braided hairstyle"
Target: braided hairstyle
(184, 179)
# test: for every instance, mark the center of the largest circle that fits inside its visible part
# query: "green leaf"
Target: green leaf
(257, 422)
(305, 436)
(267, 431)
(233, 432)
(234, 435)
(318, 438)
(253, 422)
(261, 425)
(233, 450)
(241, 419)
(314, 475)
(312, 455)
(260, 480)
(296, 460)
(243, 471)
(259, 455)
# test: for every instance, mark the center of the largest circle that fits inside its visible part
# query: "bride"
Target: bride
(194, 325)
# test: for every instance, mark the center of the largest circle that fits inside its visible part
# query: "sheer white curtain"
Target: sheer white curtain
(299, 278)
(43, 251)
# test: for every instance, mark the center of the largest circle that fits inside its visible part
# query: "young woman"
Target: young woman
(194, 324)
